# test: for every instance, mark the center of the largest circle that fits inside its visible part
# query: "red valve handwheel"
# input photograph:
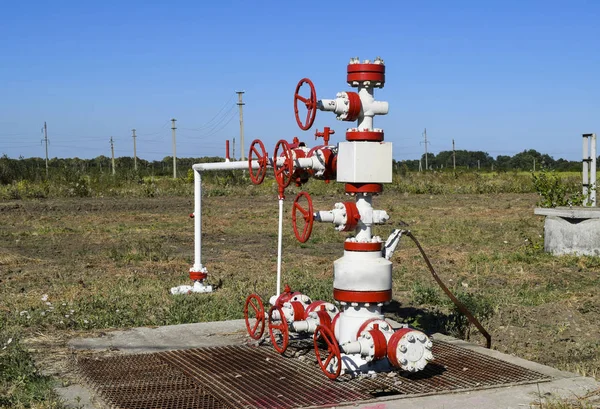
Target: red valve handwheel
(278, 328)
(333, 351)
(261, 157)
(283, 173)
(310, 103)
(307, 215)
(257, 312)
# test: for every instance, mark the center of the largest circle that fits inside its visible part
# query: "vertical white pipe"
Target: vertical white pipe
(279, 242)
(364, 229)
(593, 155)
(197, 220)
(586, 164)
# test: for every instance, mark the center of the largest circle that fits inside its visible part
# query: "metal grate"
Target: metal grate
(258, 377)
(145, 381)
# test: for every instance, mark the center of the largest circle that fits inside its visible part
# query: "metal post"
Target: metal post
(46, 141)
(241, 104)
(425, 143)
(134, 151)
(174, 151)
(586, 168)
(453, 156)
(112, 154)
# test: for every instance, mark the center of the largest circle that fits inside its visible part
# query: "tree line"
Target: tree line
(528, 160)
(34, 169)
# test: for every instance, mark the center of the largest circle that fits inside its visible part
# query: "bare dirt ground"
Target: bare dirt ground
(76, 267)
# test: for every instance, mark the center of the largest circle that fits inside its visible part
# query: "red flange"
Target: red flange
(333, 351)
(257, 152)
(364, 187)
(367, 136)
(197, 275)
(354, 107)
(299, 312)
(366, 72)
(393, 346)
(362, 296)
(258, 311)
(283, 173)
(278, 331)
(379, 342)
(314, 306)
(368, 322)
(307, 215)
(324, 318)
(352, 216)
(310, 103)
(353, 246)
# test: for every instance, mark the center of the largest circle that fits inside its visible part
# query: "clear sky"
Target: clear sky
(498, 76)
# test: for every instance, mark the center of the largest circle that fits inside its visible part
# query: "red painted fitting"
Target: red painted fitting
(327, 132)
(379, 342)
(365, 324)
(324, 318)
(353, 246)
(393, 345)
(364, 187)
(285, 296)
(354, 107)
(362, 296)
(314, 306)
(227, 149)
(299, 313)
(334, 321)
(352, 216)
(368, 136)
(197, 275)
(366, 72)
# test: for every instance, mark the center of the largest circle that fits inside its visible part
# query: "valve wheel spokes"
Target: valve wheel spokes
(333, 352)
(310, 103)
(259, 153)
(254, 309)
(278, 330)
(307, 214)
(283, 173)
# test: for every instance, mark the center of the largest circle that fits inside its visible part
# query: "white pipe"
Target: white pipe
(197, 221)
(586, 166)
(593, 171)
(279, 243)
(240, 164)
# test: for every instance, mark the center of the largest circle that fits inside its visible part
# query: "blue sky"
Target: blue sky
(497, 76)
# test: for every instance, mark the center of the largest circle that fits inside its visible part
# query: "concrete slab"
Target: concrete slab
(573, 230)
(148, 340)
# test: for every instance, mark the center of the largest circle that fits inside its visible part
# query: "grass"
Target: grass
(72, 266)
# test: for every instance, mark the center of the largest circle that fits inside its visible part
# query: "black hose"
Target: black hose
(455, 300)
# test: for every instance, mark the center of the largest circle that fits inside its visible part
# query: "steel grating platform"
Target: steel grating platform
(258, 377)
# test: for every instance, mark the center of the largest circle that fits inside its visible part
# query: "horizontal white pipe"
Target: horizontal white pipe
(240, 164)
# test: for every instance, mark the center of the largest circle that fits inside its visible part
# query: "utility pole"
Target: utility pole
(241, 104)
(425, 143)
(112, 154)
(46, 140)
(478, 164)
(134, 151)
(453, 156)
(233, 152)
(174, 152)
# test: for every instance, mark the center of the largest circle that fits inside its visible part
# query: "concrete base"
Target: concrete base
(146, 340)
(571, 230)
